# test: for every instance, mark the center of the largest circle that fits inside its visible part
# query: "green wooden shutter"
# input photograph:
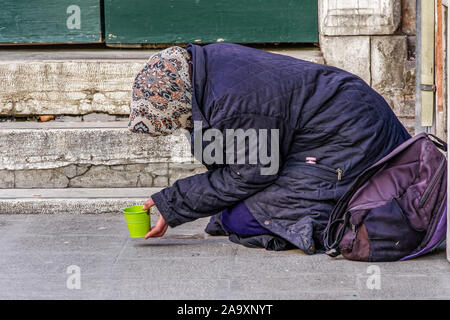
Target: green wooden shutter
(205, 21)
(50, 21)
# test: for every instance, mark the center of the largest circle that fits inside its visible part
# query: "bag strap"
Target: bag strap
(441, 144)
(332, 248)
(340, 216)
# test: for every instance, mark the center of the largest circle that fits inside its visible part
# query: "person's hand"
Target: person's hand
(161, 225)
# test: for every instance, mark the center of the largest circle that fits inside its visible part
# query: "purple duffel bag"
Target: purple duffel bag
(396, 209)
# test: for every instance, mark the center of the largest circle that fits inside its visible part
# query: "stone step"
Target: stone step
(90, 155)
(78, 82)
(72, 200)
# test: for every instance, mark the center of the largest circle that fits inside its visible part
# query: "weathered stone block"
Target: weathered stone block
(389, 54)
(88, 176)
(349, 53)
(105, 177)
(157, 169)
(49, 178)
(183, 170)
(6, 179)
(73, 170)
(359, 17)
(402, 104)
(393, 75)
(67, 87)
(409, 17)
(144, 180)
(54, 148)
(409, 124)
(156, 174)
(161, 181)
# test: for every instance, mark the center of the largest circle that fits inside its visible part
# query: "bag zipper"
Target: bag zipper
(433, 224)
(430, 188)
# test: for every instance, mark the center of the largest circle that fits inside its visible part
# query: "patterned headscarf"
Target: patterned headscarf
(162, 90)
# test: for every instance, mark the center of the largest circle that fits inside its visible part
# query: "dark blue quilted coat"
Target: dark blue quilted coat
(320, 111)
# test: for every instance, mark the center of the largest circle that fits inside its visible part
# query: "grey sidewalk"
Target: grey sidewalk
(36, 250)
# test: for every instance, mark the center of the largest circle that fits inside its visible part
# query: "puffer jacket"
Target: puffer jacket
(319, 111)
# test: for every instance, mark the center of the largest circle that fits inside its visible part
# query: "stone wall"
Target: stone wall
(100, 176)
(82, 157)
(76, 84)
(88, 144)
(376, 40)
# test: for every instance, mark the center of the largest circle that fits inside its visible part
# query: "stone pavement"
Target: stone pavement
(37, 249)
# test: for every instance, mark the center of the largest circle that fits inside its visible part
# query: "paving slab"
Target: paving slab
(186, 263)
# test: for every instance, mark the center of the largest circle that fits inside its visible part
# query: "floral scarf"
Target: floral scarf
(161, 97)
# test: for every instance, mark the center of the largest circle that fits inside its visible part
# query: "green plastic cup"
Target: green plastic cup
(138, 221)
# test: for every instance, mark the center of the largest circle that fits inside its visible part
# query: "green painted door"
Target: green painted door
(206, 21)
(50, 21)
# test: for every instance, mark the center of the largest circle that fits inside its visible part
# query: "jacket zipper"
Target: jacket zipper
(430, 188)
(337, 171)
